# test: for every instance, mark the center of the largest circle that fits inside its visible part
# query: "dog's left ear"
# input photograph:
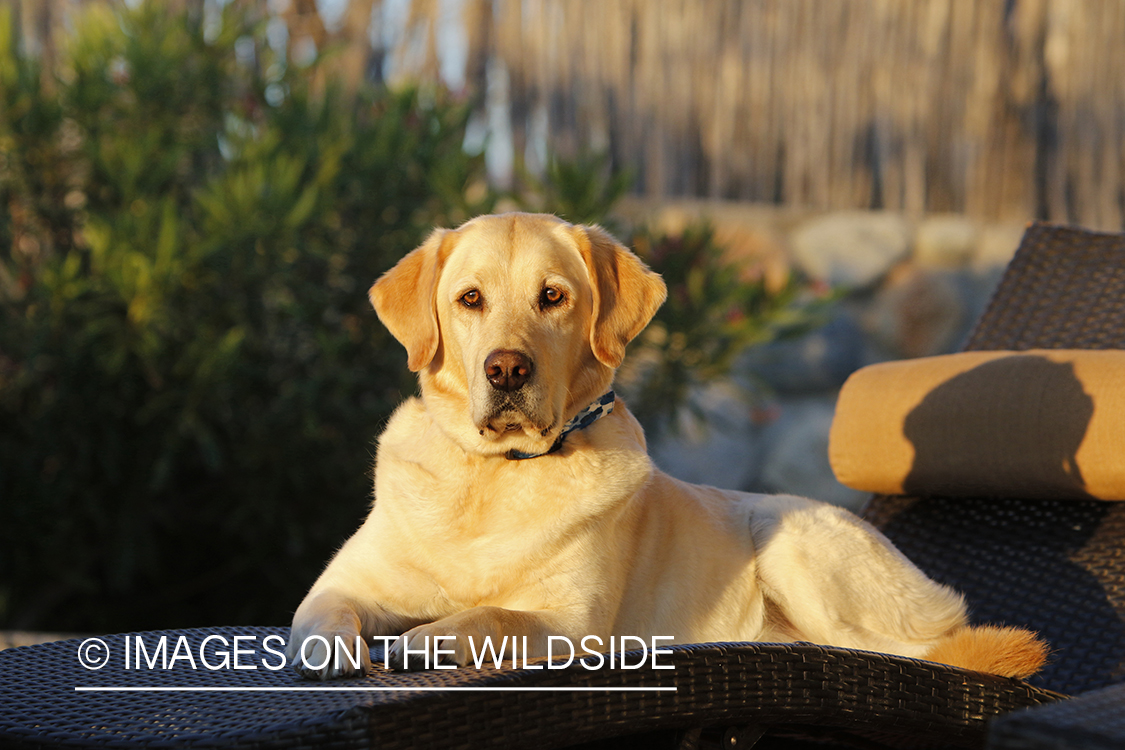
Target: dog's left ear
(404, 299)
(626, 293)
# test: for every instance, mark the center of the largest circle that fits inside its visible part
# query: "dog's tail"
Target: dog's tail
(1008, 652)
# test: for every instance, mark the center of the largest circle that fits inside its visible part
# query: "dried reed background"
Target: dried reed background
(1000, 109)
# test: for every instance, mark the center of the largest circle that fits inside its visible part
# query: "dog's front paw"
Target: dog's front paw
(427, 647)
(329, 656)
(476, 636)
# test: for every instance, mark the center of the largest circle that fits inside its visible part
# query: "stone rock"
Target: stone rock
(818, 361)
(996, 246)
(796, 457)
(752, 235)
(850, 248)
(917, 313)
(722, 449)
(944, 242)
(758, 253)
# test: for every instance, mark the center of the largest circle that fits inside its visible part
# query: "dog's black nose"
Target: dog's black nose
(507, 370)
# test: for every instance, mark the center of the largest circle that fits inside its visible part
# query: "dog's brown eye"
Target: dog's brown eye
(551, 297)
(471, 298)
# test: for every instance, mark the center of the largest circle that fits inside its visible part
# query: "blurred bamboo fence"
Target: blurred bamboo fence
(999, 109)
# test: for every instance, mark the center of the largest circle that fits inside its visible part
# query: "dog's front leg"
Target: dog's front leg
(480, 634)
(327, 638)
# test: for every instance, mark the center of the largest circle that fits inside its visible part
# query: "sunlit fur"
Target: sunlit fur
(592, 539)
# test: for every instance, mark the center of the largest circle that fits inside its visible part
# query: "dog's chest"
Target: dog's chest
(489, 511)
(468, 546)
(506, 537)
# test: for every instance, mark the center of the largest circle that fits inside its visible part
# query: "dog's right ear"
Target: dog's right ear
(404, 299)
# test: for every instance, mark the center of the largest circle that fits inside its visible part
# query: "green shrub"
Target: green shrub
(716, 310)
(581, 190)
(191, 377)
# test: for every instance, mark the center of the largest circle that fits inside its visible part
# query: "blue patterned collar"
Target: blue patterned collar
(582, 420)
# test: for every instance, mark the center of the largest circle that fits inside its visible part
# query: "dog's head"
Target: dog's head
(515, 323)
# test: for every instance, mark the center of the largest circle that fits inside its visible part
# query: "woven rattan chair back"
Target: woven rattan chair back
(1057, 566)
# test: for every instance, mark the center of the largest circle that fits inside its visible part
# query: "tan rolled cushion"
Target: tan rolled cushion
(1034, 424)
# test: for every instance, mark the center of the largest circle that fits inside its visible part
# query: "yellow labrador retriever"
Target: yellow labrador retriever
(515, 497)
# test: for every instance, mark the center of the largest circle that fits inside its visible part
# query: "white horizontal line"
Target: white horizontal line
(332, 689)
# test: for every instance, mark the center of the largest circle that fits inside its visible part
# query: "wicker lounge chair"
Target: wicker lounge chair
(1055, 566)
